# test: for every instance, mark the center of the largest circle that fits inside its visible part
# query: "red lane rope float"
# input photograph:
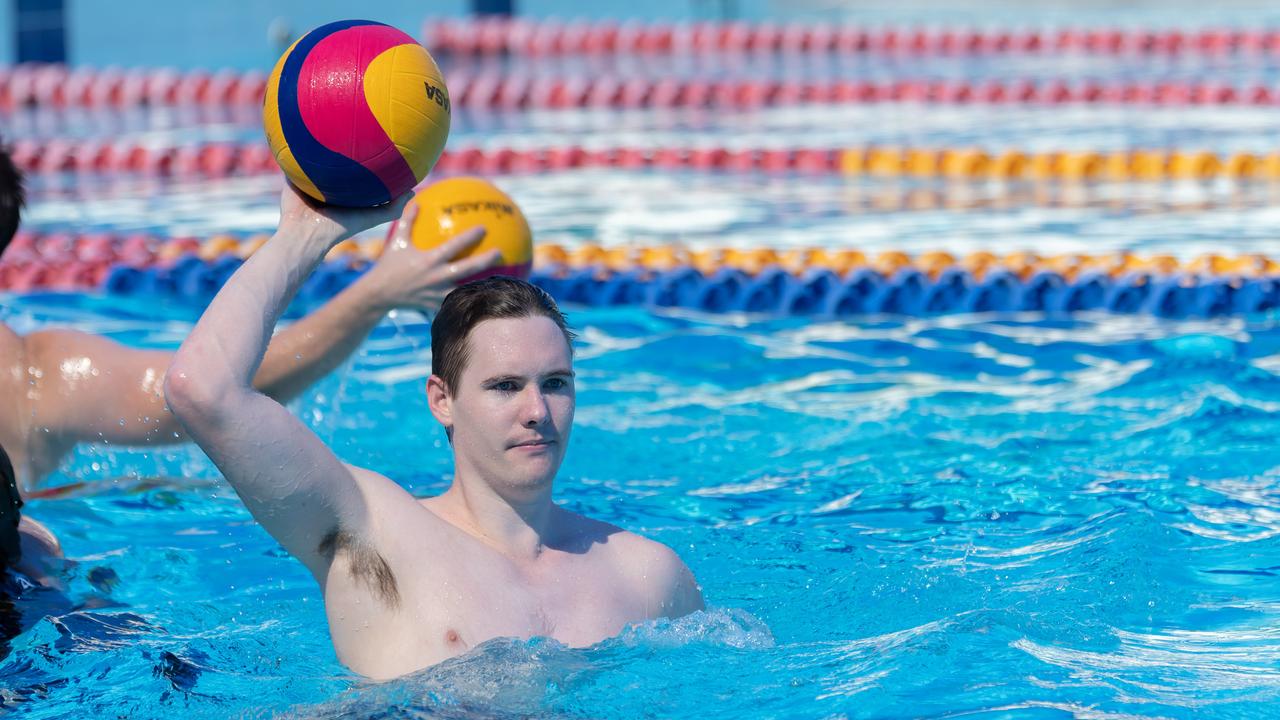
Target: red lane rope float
(59, 87)
(518, 36)
(56, 85)
(213, 160)
(491, 91)
(92, 157)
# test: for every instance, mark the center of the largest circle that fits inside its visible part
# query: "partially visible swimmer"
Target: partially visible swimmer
(64, 387)
(408, 583)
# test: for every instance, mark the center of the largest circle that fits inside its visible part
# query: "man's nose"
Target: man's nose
(535, 408)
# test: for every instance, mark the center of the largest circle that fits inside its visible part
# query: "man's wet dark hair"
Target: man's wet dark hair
(471, 304)
(12, 198)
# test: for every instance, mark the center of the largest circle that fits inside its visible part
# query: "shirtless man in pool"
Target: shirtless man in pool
(63, 387)
(408, 582)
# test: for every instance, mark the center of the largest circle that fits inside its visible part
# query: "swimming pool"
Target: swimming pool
(976, 515)
(993, 516)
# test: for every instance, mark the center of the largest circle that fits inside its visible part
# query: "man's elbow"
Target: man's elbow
(189, 394)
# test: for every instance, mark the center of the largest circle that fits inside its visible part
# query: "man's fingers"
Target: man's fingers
(470, 266)
(401, 232)
(404, 226)
(460, 243)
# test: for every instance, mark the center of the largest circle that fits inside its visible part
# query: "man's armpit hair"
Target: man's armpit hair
(367, 565)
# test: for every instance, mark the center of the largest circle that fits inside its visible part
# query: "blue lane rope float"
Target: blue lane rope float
(819, 292)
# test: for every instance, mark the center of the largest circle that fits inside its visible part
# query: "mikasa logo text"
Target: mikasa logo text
(439, 95)
(466, 207)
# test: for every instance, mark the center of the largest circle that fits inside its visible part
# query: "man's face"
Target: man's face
(513, 408)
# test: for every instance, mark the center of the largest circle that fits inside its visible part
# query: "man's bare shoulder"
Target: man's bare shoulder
(399, 513)
(649, 567)
(381, 489)
(46, 350)
(52, 341)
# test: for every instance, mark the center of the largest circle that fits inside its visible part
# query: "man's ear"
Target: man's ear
(440, 402)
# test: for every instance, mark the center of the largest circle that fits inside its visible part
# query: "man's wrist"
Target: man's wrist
(371, 295)
(316, 233)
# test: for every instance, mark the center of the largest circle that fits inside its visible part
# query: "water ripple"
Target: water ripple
(994, 516)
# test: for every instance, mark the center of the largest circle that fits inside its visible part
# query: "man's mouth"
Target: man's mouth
(535, 443)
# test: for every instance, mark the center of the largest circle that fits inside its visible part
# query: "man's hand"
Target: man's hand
(406, 277)
(300, 215)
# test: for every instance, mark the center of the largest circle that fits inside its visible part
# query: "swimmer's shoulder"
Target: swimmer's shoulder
(381, 490)
(395, 508)
(664, 577)
(652, 570)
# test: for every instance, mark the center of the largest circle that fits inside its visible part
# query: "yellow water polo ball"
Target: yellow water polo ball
(448, 207)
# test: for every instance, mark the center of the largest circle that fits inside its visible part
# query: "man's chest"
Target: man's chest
(576, 602)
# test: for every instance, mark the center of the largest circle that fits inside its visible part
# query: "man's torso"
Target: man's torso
(455, 592)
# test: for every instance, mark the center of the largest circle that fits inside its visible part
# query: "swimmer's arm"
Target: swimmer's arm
(87, 388)
(287, 477)
(403, 277)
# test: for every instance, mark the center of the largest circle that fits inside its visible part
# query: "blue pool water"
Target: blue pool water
(964, 516)
(948, 517)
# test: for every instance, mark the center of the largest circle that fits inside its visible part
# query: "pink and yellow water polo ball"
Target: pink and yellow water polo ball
(448, 207)
(356, 113)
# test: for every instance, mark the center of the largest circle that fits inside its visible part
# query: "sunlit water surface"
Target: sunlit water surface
(947, 517)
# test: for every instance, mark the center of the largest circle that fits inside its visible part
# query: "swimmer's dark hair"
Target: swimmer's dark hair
(492, 298)
(13, 197)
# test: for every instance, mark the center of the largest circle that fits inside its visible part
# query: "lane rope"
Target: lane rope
(802, 281)
(57, 86)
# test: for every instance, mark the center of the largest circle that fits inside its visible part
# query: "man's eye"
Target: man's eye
(556, 384)
(506, 386)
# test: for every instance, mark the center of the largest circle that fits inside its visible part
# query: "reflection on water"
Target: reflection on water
(1011, 515)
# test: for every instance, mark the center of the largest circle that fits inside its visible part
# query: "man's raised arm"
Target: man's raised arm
(290, 481)
(88, 388)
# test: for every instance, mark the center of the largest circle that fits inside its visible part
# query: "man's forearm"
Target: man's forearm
(311, 348)
(229, 341)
